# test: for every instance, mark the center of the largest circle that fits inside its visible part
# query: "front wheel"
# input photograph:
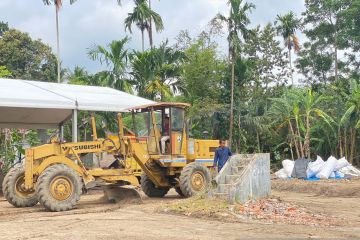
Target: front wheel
(194, 179)
(59, 188)
(150, 189)
(14, 189)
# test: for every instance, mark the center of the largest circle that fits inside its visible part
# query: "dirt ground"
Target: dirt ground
(96, 219)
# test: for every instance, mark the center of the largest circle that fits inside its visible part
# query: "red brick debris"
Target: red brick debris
(277, 211)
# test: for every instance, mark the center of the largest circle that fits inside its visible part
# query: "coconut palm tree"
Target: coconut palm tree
(58, 4)
(115, 57)
(141, 17)
(287, 26)
(237, 23)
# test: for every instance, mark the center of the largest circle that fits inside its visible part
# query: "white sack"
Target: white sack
(339, 174)
(342, 162)
(350, 170)
(281, 174)
(332, 175)
(314, 167)
(288, 166)
(327, 168)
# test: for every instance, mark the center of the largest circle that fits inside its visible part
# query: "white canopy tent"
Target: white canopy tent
(41, 105)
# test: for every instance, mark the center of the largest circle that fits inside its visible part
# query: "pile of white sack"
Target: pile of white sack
(332, 168)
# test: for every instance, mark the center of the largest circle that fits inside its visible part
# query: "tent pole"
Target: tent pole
(61, 132)
(74, 126)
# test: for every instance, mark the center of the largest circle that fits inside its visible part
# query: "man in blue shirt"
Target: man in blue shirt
(222, 154)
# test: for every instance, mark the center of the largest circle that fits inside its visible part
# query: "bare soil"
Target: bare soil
(94, 218)
(328, 188)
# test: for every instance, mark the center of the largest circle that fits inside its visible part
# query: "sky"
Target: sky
(90, 22)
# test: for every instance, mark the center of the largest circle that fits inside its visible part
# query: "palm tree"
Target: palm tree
(351, 120)
(58, 4)
(141, 17)
(157, 72)
(287, 26)
(115, 57)
(237, 23)
(78, 76)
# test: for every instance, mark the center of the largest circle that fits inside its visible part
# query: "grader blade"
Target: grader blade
(121, 194)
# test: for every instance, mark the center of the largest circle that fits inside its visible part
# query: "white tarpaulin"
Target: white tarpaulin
(30, 104)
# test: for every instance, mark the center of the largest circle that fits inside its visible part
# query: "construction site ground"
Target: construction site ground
(336, 202)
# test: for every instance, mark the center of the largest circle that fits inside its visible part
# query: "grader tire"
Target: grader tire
(150, 189)
(13, 189)
(59, 188)
(194, 179)
(178, 190)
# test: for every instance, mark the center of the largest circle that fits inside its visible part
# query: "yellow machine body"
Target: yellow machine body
(134, 155)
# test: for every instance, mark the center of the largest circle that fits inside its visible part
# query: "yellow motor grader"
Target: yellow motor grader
(159, 147)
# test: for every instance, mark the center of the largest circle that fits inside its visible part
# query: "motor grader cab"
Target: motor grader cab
(175, 159)
(54, 173)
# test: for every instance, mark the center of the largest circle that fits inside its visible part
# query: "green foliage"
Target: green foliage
(202, 72)
(4, 72)
(115, 57)
(12, 143)
(3, 27)
(26, 58)
(247, 86)
(156, 73)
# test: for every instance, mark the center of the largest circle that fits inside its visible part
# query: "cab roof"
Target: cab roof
(160, 105)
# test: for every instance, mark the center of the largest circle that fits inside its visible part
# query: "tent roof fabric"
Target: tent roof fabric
(43, 105)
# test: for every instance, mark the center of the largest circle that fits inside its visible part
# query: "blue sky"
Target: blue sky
(90, 22)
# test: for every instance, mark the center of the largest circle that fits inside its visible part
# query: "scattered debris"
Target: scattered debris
(270, 210)
(277, 211)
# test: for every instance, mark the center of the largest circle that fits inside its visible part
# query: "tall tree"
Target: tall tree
(324, 21)
(237, 23)
(58, 5)
(141, 16)
(287, 26)
(115, 57)
(26, 58)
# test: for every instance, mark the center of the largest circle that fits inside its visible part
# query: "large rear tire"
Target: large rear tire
(59, 188)
(14, 190)
(150, 189)
(194, 179)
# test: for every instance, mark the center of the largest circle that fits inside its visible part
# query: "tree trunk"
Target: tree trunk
(294, 140)
(336, 58)
(58, 46)
(142, 40)
(340, 143)
(300, 142)
(290, 63)
(345, 145)
(239, 128)
(150, 28)
(232, 102)
(352, 145)
(307, 138)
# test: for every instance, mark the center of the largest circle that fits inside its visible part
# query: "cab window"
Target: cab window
(177, 119)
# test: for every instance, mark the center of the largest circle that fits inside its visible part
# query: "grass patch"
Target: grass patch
(199, 206)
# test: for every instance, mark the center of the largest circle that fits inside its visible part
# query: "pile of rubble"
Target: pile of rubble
(318, 169)
(277, 211)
